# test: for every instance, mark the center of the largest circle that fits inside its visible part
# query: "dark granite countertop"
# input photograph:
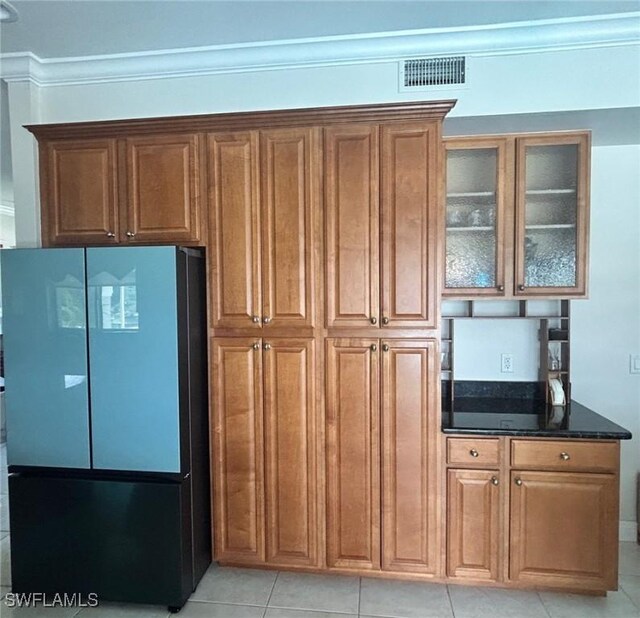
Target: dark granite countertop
(525, 416)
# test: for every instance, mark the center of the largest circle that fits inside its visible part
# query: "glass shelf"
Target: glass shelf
(473, 228)
(551, 226)
(551, 192)
(471, 194)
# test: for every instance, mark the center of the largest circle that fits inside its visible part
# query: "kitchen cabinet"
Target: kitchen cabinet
(106, 190)
(264, 436)
(381, 207)
(564, 529)
(516, 222)
(558, 500)
(473, 516)
(381, 455)
(263, 197)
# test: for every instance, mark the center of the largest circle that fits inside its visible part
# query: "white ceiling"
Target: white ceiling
(64, 28)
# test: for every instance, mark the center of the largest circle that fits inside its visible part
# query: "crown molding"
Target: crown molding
(488, 40)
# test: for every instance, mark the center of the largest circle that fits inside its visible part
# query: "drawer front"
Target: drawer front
(471, 451)
(564, 455)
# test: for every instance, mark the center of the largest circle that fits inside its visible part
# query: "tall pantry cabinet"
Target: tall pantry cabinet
(324, 308)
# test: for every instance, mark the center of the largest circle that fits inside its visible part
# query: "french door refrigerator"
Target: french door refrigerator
(107, 433)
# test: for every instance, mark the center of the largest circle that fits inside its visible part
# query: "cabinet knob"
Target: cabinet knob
(374, 347)
(518, 482)
(255, 319)
(110, 235)
(385, 348)
(494, 480)
(521, 287)
(473, 452)
(267, 346)
(266, 319)
(131, 235)
(565, 456)
(373, 320)
(501, 288)
(256, 346)
(385, 321)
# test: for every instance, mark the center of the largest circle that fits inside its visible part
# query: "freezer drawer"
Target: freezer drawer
(123, 540)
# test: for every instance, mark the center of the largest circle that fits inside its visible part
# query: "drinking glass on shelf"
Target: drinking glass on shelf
(554, 360)
(476, 217)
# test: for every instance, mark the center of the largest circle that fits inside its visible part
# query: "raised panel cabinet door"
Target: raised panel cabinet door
(352, 213)
(564, 529)
(162, 195)
(290, 185)
(473, 511)
(409, 458)
(290, 452)
(409, 179)
(352, 452)
(79, 192)
(234, 230)
(552, 215)
(237, 438)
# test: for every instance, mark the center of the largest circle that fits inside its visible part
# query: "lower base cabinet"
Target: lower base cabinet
(560, 527)
(564, 529)
(473, 539)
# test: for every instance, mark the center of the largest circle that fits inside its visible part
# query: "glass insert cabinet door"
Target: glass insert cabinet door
(552, 214)
(474, 217)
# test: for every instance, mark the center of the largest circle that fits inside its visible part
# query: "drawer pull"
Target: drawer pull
(373, 320)
(564, 456)
(473, 452)
(518, 482)
(494, 480)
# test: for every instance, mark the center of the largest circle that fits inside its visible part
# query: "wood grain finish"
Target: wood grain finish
(352, 213)
(565, 456)
(79, 192)
(290, 448)
(163, 189)
(235, 230)
(352, 452)
(409, 165)
(564, 529)
(473, 535)
(289, 176)
(473, 451)
(409, 438)
(237, 437)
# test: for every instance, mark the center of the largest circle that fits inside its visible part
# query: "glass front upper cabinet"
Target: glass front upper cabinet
(474, 217)
(552, 215)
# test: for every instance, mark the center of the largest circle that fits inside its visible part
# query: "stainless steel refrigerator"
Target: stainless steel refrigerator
(107, 431)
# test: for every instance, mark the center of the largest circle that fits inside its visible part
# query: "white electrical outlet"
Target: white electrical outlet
(506, 363)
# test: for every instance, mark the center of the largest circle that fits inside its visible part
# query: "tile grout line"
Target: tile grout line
(544, 607)
(275, 581)
(359, 594)
(453, 613)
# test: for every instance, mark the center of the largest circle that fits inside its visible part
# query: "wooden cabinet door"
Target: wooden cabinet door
(234, 230)
(352, 213)
(237, 437)
(162, 194)
(79, 192)
(409, 166)
(409, 476)
(290, 448)
(564, 529)
(552, 215)
(290, 179)
(473, 511)
(353, 458)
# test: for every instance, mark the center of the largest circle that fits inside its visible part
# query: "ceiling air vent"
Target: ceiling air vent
(426, 72)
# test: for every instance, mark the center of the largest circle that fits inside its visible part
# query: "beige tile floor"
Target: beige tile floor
(245, 593)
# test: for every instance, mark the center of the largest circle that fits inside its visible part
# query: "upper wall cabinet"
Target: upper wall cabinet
(381, 198)
(106, 191)
(263, 187)
(517, 215)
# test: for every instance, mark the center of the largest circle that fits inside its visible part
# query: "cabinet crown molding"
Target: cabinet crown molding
(385, 112)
